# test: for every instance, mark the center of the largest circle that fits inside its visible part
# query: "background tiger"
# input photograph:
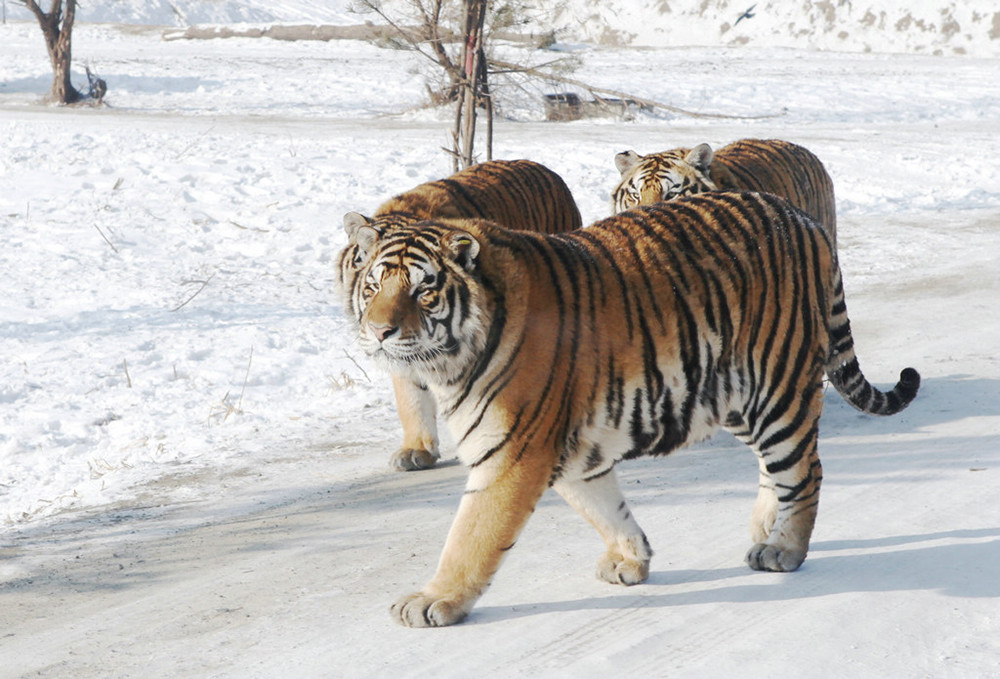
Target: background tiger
(766, 165)
(555, 356)
(519, 194)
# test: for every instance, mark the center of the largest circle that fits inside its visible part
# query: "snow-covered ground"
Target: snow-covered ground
(193, 451)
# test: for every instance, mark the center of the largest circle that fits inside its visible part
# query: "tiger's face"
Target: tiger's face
(415, 298)
(352, 258)
(661, 176)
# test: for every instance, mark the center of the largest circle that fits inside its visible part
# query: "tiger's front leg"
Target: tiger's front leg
(600, 501)
(500, 495)
(417, 412)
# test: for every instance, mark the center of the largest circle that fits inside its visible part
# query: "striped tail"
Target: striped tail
(845, 373)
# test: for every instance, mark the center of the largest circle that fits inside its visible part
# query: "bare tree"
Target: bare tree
(464, 74)
(57, 27)
(432, 28)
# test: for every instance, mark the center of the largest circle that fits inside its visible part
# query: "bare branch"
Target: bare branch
(106, 239)
(623, 95)
(239, 402)
(204, 284)
(30, 4)
(358, 365)
(407, 34)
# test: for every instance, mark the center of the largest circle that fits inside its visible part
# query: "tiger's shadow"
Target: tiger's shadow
(939, 401)
(953, 563)
(906, 565)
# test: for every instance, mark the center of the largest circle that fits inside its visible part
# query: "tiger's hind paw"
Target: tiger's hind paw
(764, 557)
(420, 610)
(412, 459)
(618, 570)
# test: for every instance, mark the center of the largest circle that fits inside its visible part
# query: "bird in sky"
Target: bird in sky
(748, 14)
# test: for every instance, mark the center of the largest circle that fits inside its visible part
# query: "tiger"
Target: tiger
(555, 356)
(765, 165)
(519, 194)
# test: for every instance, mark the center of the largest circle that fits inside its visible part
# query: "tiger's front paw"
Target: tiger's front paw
(619, 570)
(420, 610)
(412, 459)
(764, 557)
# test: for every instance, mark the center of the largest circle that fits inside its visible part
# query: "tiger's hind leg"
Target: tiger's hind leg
(418, 415)
(600, 501)
(784, 513)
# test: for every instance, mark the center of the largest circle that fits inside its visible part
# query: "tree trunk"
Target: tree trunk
(474, 90)
(57, 28)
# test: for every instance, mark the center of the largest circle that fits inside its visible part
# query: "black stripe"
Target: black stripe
(591, 236)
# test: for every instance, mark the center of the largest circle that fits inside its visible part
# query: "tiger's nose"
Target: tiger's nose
(381, 332)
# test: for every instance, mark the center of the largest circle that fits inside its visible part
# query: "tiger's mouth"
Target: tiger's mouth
(410, 355)
(383, 351)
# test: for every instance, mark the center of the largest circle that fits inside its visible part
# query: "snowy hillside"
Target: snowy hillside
(923, 26)
(944, 27)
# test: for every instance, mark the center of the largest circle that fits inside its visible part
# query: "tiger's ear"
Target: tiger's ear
(700, 157)
(361, 232)
(352, 222)
(626, 160)
(365, 237)
(464, 248)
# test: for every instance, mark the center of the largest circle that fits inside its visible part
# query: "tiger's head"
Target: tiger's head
(414, 293)
(661, 176)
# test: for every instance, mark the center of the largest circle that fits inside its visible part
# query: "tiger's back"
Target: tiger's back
(765, 165)
(517, 194)
(782, 168)
(556, 356)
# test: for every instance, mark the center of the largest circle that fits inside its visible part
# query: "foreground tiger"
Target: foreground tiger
(554, 357)
(519, 194)
(767, 165)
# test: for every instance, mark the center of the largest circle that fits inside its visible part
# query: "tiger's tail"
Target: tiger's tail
(845, 373)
